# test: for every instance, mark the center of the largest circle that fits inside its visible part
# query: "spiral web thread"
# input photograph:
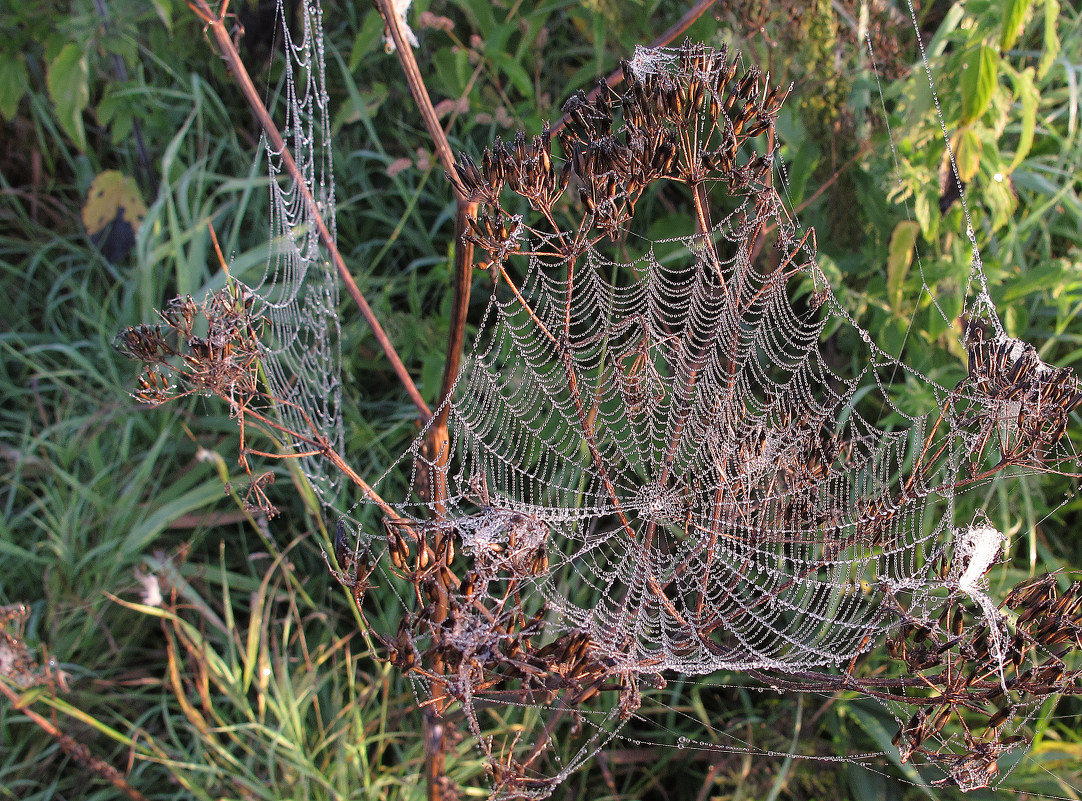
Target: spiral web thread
(298, 295)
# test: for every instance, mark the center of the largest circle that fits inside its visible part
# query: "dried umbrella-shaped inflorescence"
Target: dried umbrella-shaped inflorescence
(983, 675)
(208, 348)
(1018, 402)
(689, 127)
(180, 360)
(17, 662)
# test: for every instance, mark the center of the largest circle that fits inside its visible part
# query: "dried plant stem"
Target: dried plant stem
(79, 752)
(216, 25)
(320, 447)
(437, 444)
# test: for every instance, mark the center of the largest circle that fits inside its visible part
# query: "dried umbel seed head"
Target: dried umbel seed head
(683, 115)
(145, 343)
(471, 184)
(221, 362)
(1021, 396)
(498, 236)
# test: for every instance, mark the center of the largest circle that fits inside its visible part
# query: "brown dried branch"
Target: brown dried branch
(20, 668)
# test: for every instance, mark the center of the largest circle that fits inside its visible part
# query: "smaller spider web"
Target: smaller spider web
(299, 292)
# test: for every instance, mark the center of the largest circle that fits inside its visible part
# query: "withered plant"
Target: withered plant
(648, 466)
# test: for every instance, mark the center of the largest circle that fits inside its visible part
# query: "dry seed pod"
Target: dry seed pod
(539, 563)
(912, 730)
(397, 548)
(999, 718)
(944, 618)
(447, 578)
(437, 594)
(1019, 649)
(1049, 674)
(958, 624)
(469, 181)
(425, 556)
(940, 719)
(1069, 602)
(469, 585)
(343, 554)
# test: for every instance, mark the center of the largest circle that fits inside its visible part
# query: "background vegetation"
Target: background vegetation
(253, 681)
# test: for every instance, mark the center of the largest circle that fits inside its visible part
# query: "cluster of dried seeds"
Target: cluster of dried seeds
(209, 348)
(979, 674)
(690, 126)
(477, 631)
(1020, 403)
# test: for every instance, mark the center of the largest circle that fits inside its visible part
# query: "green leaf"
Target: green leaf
(69, 90)
(164, 10)
(967, 155)
(1051, 38)
(1025, 91)
(978, 81)
(366, 39)
(1001, 201)
(1042, 278)
(513, 70)
(13, 83)
(1014, 13)
(926, 210)
(452, 70)
(899, 259)
(951, 20)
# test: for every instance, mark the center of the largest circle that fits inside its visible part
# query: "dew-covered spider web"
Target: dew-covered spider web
(659, 464)
(298, 295)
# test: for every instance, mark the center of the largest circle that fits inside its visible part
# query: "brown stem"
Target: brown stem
(319, 444)
(77, 750)
(218, 29)
(435, 753)
(437, 442)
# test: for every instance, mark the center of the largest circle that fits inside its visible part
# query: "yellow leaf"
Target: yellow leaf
(113, 212)
(113, 196)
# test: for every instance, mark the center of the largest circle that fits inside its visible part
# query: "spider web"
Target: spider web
(655, 467)
(718, 433)
(299, 293)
